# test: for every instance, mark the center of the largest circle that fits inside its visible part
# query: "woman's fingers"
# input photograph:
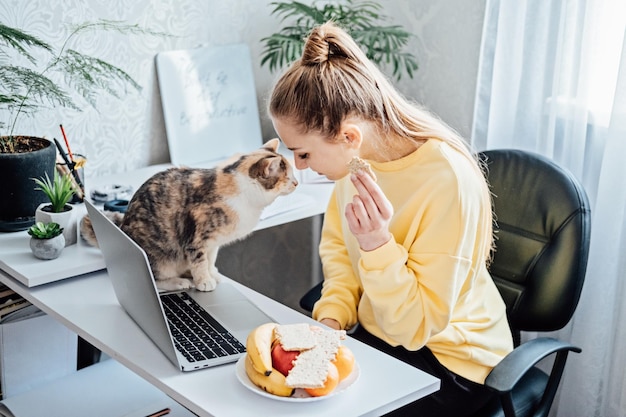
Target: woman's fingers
(370, 231)
(372, 197)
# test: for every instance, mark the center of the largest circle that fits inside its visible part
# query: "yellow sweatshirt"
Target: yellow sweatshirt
(428, 285)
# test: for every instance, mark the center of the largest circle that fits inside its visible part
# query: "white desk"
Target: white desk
(87, 305)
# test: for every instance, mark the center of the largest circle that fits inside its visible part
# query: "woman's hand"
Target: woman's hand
(369, 214)
(332, 323)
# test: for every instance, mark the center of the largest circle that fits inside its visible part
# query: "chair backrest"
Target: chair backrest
(542, 238)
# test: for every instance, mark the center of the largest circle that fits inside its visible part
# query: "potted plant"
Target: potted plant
(46, 241)
(59, 192)
(383, 44)
(47, 79)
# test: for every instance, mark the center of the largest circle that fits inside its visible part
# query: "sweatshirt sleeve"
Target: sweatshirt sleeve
(341, 290)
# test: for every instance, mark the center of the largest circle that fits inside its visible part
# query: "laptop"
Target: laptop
(226, 314)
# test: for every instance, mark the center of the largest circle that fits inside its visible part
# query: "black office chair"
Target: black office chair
(542, 245)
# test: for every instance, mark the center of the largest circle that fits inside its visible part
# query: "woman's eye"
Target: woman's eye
(303, 155)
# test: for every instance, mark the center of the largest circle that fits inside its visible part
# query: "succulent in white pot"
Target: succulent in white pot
(59, 192)
(46, 240)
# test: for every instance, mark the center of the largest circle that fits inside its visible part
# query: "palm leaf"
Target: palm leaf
(382, 44)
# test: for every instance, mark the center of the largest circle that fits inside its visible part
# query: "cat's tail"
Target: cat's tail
(86, 228)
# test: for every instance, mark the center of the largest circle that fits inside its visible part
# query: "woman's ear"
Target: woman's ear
(352, 135)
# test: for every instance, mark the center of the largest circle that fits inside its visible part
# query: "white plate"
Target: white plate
(300, 395)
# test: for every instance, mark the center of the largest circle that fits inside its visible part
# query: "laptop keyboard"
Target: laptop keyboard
(197, 335)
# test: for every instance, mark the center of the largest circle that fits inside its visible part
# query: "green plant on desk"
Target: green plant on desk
(45, 230)
(59, 191)
(46, 240)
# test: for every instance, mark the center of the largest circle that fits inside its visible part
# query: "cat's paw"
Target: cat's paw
(174, 284)
(208, 284)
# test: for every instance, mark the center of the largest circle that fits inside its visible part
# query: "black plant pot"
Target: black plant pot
(18, 197)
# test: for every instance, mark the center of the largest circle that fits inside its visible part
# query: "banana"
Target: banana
(259, 347)
(274, 383)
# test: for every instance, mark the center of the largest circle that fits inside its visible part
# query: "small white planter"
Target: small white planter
(66, 219)
(47, 248)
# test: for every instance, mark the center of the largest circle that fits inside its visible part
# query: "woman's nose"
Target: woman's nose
(301, 163)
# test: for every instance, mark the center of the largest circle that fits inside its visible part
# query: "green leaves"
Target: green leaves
(90, 75)
(42, 89)
(20, 41)
(59, 191)
(45, 230)
(382, 44)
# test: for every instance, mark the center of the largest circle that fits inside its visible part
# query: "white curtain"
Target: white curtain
(552, 80)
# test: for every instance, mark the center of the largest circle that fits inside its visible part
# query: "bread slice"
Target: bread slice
(295, 336)
(310, 368)
(357, 164)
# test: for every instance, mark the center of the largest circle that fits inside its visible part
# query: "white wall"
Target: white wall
(447, 44)
(129, 133)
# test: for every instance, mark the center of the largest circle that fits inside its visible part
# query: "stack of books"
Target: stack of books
(12, 305)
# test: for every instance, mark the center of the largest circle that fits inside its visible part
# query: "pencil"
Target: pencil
(67, 143)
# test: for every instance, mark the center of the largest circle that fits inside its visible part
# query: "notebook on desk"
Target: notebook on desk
(226, 315)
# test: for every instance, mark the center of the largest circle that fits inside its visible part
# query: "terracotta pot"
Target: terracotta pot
(18, 197)
(47, 248)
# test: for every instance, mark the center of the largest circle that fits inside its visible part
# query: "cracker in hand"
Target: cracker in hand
(357, 164)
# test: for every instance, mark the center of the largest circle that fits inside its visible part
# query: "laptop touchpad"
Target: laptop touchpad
(240, 317)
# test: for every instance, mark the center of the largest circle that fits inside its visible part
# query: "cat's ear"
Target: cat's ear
(272, 145)
(270, 167)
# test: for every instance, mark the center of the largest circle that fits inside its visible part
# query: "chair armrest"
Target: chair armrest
(512, 368)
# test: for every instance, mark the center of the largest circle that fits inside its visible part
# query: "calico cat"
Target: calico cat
(181, 216)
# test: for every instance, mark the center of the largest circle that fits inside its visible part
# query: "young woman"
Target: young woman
(404, 257)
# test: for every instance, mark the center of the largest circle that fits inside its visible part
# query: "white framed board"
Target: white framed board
(209, 103)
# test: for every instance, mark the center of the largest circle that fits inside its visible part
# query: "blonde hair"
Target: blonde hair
(334, 80)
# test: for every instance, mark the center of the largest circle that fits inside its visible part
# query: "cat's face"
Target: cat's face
(271, 170)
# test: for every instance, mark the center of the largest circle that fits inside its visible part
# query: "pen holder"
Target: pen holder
(77, 170)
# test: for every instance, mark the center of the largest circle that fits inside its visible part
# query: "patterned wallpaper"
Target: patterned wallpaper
(129, 133)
